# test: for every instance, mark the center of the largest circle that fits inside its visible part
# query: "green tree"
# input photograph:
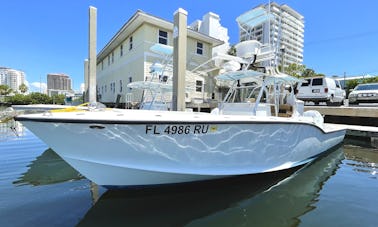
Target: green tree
(232, 51)
(371, 80)
(308, 73)
(23, 88)
(5, 89)
(39, 98)
(295, 70)
(350, 84)
(19, 99)
(58, 99)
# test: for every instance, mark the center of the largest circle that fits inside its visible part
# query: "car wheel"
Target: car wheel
(331, 101)
(332, 98)
(353, 103)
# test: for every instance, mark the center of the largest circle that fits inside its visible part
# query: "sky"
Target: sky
(51, 36)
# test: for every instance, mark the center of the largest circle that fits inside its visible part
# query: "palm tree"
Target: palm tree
(309, 73)
(23, 88)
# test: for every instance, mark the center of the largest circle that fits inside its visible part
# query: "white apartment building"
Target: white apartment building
(12, 77)
(278, 25)
(210, 25)
(127, 58)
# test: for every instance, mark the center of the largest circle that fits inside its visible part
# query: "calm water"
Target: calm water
(37, 188)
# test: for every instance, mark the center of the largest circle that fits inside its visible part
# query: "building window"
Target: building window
(112, 57)
(121, 50)
(199, 85)
(108, 60)
(163, 37)
(199, 48)
(130, 43)
(120, 86)
(102, 65)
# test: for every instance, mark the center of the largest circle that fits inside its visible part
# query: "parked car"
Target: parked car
(321, 89)
(364, 93)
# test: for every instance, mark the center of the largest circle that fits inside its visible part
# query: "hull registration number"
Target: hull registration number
(180, 129)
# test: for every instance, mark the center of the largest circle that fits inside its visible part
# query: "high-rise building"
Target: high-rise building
(11, 77)
(277, 25)
(58, 83)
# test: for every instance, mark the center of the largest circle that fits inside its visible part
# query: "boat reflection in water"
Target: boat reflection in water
(48, 168)
(10, 130)
(273, 199)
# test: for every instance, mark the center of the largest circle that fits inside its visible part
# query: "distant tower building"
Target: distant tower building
(11, 77)
(210, 25)
(285, 32)
(82, 88)
(58, 83)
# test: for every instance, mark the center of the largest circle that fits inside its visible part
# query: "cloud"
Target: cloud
(37, 87)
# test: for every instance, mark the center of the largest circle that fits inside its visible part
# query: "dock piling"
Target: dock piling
(92, 61)
(179, 59)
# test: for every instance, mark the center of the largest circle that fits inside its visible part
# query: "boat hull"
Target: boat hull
(163, 152)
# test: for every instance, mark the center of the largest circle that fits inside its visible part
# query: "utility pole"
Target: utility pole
(344, 80)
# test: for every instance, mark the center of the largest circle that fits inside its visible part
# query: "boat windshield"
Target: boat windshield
(247, 92)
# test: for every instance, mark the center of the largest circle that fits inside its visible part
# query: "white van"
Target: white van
(321, 89)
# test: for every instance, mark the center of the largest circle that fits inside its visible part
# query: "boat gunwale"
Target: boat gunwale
(226, 121)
